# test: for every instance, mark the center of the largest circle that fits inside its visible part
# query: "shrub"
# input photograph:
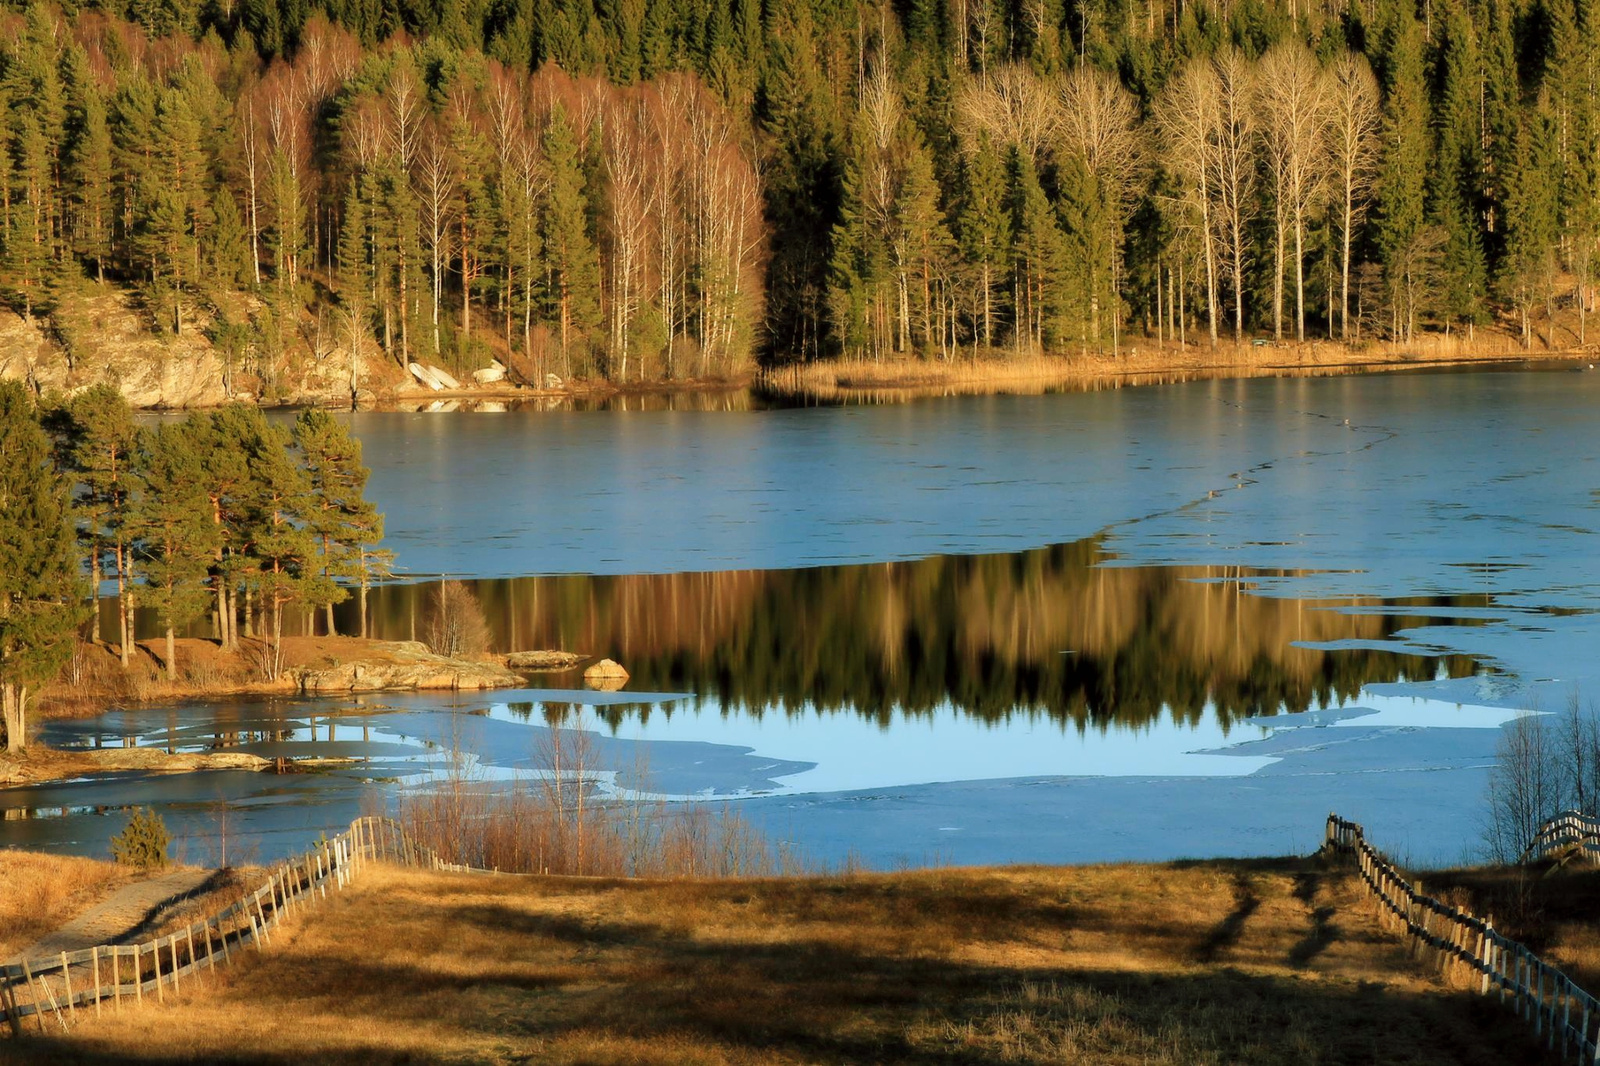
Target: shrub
(143, 842)
(456, 625)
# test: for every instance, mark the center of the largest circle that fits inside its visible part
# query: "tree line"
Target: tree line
(658, 188)
(223, 513)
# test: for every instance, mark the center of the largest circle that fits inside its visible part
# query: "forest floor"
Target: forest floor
(1141, 362)
(1262, 961)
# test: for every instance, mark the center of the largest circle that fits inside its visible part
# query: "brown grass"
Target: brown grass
(1225, 962)
(38, 893)
(1142, 362)
(1550, 909)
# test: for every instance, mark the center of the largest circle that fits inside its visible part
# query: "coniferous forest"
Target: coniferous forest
(657, 189)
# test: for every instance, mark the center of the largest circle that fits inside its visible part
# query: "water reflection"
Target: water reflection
(1061, 631)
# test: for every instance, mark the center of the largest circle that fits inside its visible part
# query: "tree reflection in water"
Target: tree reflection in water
(1054, 631)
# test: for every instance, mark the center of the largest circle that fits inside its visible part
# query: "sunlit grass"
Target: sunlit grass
(1263, 962)
(40, 892)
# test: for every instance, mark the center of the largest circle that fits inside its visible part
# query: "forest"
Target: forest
(223, 514)
(662, 189)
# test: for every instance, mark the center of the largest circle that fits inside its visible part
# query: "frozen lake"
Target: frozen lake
(1169, 621)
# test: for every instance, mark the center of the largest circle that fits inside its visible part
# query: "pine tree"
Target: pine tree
(97, 441)
(573, 286)
(40, 588)
(275, 505)
(342, 524)
(173, 531)
(90, 176)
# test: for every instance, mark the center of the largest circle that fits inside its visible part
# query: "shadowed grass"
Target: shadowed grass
(1090, 964)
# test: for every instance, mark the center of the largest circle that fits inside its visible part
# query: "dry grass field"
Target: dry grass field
(40, 892)
(1216, 962)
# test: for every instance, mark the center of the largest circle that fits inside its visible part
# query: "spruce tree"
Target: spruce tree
(573, 289)
(41, 590)
(1457, 177)
(984, 229)
(1402, 175)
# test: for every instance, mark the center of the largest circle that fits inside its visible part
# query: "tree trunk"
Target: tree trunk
(13, 713)
(172, 655)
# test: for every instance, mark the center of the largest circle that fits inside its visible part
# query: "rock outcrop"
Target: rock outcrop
(606, 675)
(403, 665)
(542, 660)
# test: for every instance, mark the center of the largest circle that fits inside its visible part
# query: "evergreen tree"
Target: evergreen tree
(96, 437)
(40, 587)
(1405, 247)
(90, 176)
(573, 286)
(1527, 270)
(173, 531)
(1457, 177)
(1037, 284)
(342, 524)
(275, 501)
(984, 229)
(924, 248)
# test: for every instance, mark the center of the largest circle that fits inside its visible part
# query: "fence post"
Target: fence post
(12, 1018)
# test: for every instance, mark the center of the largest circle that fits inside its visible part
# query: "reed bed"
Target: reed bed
(555, 821)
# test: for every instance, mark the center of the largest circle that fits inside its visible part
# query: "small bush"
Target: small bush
(143, 842)
(456, 624)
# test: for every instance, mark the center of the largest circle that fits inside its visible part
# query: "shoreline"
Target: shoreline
(313, 667)
(902, 378)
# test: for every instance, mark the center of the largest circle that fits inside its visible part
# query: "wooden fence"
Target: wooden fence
(1467, 951)
(53, 990)
(1572, 831)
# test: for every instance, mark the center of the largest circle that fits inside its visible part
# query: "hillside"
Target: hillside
(1260, 962)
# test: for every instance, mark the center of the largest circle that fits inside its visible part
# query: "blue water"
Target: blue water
(1423, 486)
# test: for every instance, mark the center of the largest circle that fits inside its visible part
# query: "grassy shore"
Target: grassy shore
(1214, 962)
(40, 892)
(1141, 362)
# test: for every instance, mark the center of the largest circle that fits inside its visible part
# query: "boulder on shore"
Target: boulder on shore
(607, 674)
(542, 660)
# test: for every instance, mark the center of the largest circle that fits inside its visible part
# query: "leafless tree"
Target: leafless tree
(1188, 117)
(1013, 105)
(437, 189)
(1354, 124)
(1526, 786)
(456, 624)
(1097, 122)
(1293, 100)
(1235, 160)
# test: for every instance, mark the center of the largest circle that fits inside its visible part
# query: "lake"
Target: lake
(1169, 621)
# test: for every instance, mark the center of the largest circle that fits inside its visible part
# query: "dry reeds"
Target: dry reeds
(555, 822)
(1144, 362)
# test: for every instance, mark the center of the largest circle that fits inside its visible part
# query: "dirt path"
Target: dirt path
(124, 913)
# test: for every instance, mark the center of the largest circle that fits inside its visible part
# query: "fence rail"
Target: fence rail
(1468, 953)
(53, 990)
(1565, 834)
